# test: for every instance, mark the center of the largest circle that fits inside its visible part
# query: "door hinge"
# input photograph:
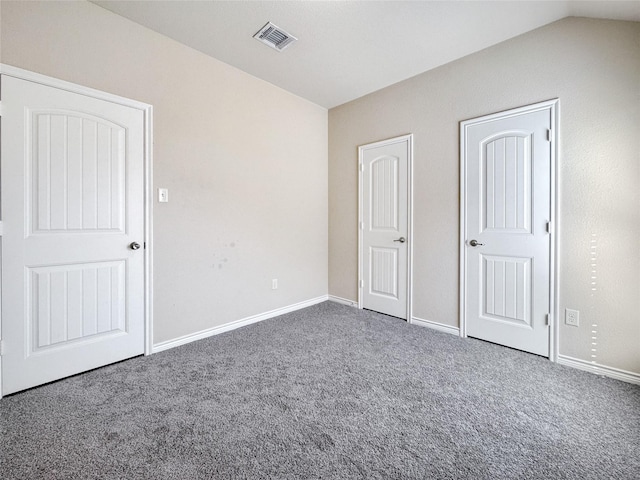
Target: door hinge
(549, 227)
(1, 347)
(361, 225)
(549, 134)
(144, 245)
(1, 110)
(548, 319)
(361, 167)
(361, 283)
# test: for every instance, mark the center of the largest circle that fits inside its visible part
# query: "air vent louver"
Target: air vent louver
(275, 37)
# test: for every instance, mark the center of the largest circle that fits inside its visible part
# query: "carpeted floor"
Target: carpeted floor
(326, 392)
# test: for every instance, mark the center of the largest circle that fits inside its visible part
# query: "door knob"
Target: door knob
(134, 246)
(401, 240)
(474, 243)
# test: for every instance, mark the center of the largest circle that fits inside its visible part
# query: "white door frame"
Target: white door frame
(554, 108)
(147, 110)
(361, 149)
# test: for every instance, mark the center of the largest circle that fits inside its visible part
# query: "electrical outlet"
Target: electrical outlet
(274, 284)
(572, 317)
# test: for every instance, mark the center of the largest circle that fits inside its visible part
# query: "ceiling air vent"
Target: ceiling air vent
(275, 37)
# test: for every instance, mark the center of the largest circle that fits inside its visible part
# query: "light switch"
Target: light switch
(163, 195)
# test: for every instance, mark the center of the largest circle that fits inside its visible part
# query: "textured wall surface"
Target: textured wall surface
(593, 67)
(245, 162)
(249, 197)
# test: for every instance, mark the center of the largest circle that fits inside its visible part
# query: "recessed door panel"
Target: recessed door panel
(384, 272)
(384, 194)
(77, 173)
(506, 183)
(506, 287)
(70, 303)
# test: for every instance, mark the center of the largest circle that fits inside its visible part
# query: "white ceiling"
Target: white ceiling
(347, 49)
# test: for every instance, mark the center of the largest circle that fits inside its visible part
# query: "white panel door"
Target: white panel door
(507, 245)
(72, 211)
(385, 168)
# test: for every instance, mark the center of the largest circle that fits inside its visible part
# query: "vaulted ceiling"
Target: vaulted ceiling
(347, 49)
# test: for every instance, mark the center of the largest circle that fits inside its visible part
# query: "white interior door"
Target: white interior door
(385, 226)
(507, 211)
(72, 211)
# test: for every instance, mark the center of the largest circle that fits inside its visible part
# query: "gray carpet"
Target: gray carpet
(326, 392)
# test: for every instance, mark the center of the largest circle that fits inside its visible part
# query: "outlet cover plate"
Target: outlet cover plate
(572, 317)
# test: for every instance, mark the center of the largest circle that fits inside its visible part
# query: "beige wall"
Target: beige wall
(249, 197)
(245, 162)
(593, 66)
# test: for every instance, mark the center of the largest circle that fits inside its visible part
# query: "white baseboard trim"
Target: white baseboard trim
(436, 326)
(343, 301)
(192, 337)
(598, 369)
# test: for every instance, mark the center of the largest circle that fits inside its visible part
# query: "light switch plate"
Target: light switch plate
(163, 195)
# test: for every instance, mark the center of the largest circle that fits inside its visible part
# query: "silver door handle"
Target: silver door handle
(401, 240)
(134, 246)
(475, 243)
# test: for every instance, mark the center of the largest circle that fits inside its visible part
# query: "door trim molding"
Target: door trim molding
(361, 149)
(22, 74)
(147, 110)
(554, 108)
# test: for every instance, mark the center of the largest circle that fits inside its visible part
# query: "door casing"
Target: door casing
(403, 138)
(147, 110)
(553, 106)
